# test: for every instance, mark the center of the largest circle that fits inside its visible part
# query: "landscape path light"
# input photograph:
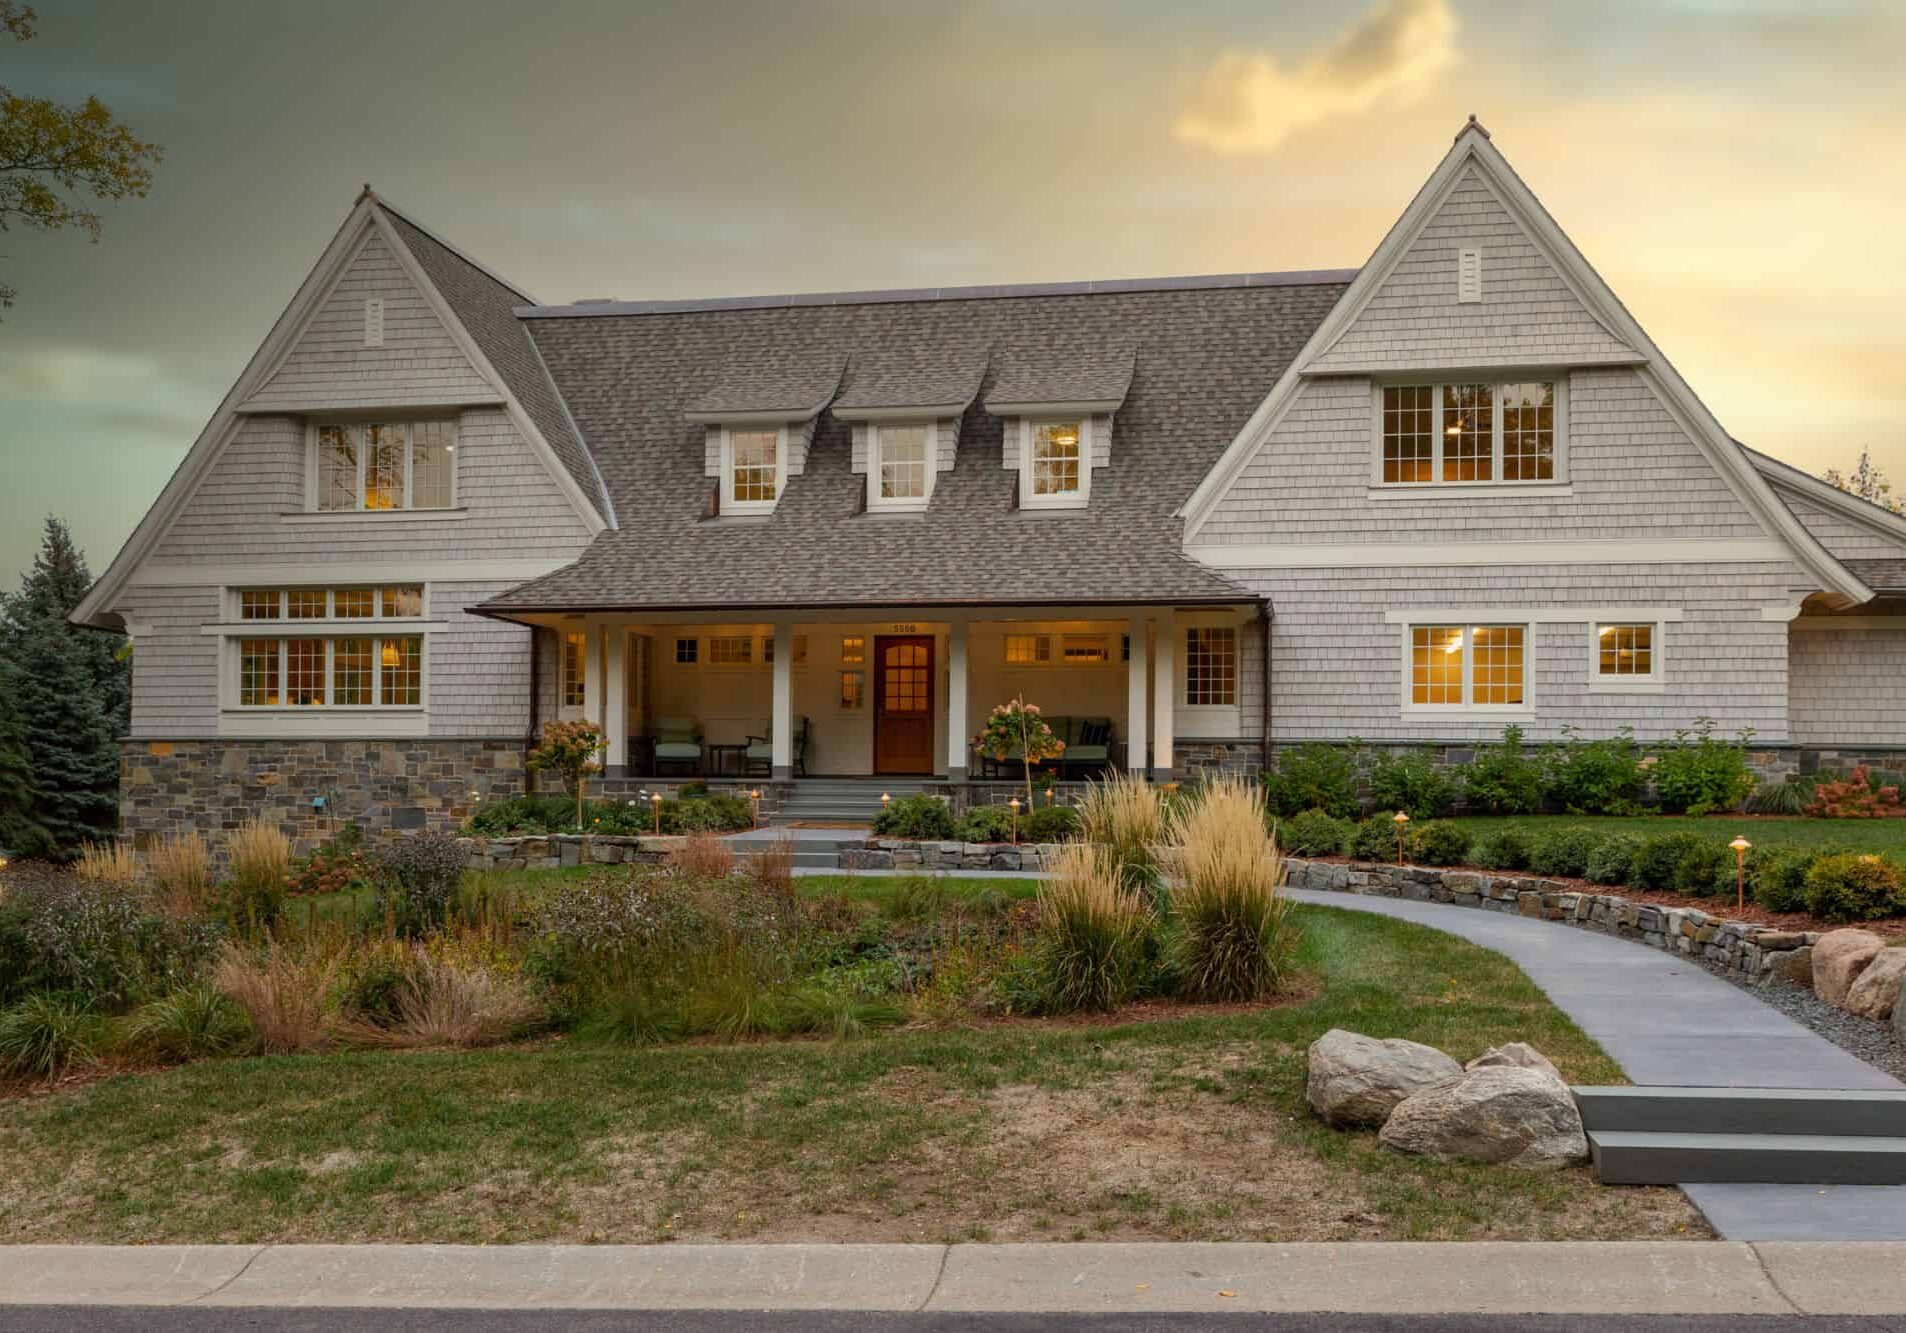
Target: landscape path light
(1014, 804)
(656, 800)
(1740, 846)
(1402, 822)
(755, 797)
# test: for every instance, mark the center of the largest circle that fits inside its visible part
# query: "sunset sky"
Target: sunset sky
(1736, 169)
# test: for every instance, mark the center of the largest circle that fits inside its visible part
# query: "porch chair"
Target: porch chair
(758, 761)
(678, 741)
(1088, 744)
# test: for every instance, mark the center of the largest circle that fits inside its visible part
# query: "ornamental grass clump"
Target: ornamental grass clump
(191, 1023)
(703, 856)
(111, 863)
(48, 1033)
(284, 991)
(1232, 942)
(181, 870)
(1125, 815)
(459, 1002)
(261, 872)
(1094, 934)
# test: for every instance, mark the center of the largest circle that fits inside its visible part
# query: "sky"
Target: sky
(1736, 170)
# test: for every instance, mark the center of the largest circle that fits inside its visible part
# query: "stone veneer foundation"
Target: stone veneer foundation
(310, 788)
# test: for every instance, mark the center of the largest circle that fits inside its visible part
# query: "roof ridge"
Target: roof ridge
(589, 309)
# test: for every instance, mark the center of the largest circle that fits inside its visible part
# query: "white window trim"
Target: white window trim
(407, 509)
(1555, 485)
(1205, 721)
(706, 654)
(568, 712)
(730, 505)
(1038, 663)
(910, 504)
(1078, 499)
(1509, 712)
(1655, 682)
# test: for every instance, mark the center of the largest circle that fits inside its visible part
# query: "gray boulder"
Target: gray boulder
(1875, 992)
(1357, 1080)
(1515, 1055)
(1504, 1114)
(1839, 956)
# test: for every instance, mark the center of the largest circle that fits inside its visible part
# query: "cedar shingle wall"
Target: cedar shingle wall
(1845, 539)
(1849, 687)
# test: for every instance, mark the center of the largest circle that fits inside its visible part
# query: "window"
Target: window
(1627, 654)
(304, 672)
(800, 649)
(1468, 434)
(375, 466)
(400, 675)
(900, 466)
(1477, 666)
(1083, 649)
(852, 689)
(307, 604)
(1057, 469)
(353, 604)
(258, 672)
(1028, 650)
(1211, 666)
(752, 471)
(575, 669)
(853, 649)
(687, 652)
(305, 669)
(259, 605)
(402, 602)
(730, 650)
(351, 672)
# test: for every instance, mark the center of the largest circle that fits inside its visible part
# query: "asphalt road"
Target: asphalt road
(176, 1319)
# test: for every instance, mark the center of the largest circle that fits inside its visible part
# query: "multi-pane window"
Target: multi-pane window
(353, 603)
(1081, 649)
(351, 683)
(1625, 652)
(1468, 433)
(258, 662)
(853, 648)
(318, 670)
(687, 652)
(902, 470)
(400, 673)
(260, 605)
(304, 672)
(1211, 666)
(382, 465)
(730, 650)
(754, 467)
(575, 669)
(1483, 666)
(853, 689)
(1057, 460)
(400, 602)
(308, 603)
(1028, 650)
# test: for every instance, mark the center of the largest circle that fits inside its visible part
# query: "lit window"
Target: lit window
(852, 688)
(258, 672)
(351, 673)
(400, 674)
(433, 452)
(354, 603)
(400, 602)
(1483, 666)
(575, 676)
(1028, 649)
(385, 465)
(304, 672)
(1625, 652)
(1409, 447)
(1056, 464)
(305, 604)
(1078, 649)
(687, 652)
(1468, 434)
(1211, 666)
(754, 468)
(901, 471)
(259, 605)
(853, 648)
(730, 650)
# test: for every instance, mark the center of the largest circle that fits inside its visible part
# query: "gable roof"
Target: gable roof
(629, 376)
(1473, 150)
(1876, 519)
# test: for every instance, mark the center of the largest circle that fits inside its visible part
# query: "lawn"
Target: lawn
(1189, 1124)
(1859, 835)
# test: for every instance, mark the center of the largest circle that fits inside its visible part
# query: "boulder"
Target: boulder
(1504, 1114)
(1795, 965)
(1875, 994)
(1515, 1055)
(1899, 1013)
(1839, 956)
(1357, 1080)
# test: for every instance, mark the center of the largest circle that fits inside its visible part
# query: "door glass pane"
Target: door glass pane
(905, 679)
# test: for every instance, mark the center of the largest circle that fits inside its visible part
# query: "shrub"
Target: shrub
(1613, 859)
(108, 863)
(261, 872)
(1562, 851)
(570, 751)
(1503, 779)
(1093, 931)
(919, 816)
(1412, 782)
(421, 876)
(1125, 815)
(1777, 877)
(1375, 839)
(446, 1002)
(703, 856)
(1313, 833)
(1437, 843)
(189, 1024)
(1505, 848)
(1052, 823)
(1017, 730)
(1230, 940)
(721, 813)
(1854, 886)
(283, 991)
(1314, 776)
(1657, 858)
(986, 823)
(338, 864)
(95, 941)
(1860, 796)
(546, 814)
(1592, 777)
(1705, 870)
(1789, 797)
(181, 868)
(48, 1033)
(1698, 774)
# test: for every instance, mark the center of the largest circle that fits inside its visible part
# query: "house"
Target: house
(768, 538)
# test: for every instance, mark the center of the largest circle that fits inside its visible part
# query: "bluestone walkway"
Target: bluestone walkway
(1665, 1020)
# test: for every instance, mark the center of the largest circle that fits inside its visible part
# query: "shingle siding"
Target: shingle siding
(479, 669)
(174, 667)
(1527, 315)
(1849, 687)
(1846, 539)
(418, 362)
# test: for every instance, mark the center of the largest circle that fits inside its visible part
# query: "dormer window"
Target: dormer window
(1056, 469)
(754, 468)
(901, 465)
(378, 466)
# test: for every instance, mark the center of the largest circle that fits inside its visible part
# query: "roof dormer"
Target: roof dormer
(1058, 412)
(905, 415)
(759, 421)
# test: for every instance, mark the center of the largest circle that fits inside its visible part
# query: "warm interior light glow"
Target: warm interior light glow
(1607, 630)
(389, 655)
(1455, 644)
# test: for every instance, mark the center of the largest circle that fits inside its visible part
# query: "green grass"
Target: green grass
(1861, 835)
(877, 888)
(1191, 1127)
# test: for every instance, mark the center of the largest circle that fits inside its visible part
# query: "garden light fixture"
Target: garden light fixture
(1740, 846)
(655, 799)
(755, 797)
(1014, 804)
(1402, 822)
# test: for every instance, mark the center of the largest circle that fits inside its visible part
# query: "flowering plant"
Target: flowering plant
(1018, 726)
(569, 750)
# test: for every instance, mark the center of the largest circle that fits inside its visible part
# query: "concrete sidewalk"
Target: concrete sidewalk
(1620, 1277)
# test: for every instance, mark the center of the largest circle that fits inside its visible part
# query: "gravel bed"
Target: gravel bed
(1872, 1042)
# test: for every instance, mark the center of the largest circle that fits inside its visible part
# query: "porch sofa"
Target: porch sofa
(1089, 747)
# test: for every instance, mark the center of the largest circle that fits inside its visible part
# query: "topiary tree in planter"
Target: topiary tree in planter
(569, 750)
(1018, 726)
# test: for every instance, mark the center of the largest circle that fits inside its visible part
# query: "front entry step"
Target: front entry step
(1671, 1110)
(1626, 1157)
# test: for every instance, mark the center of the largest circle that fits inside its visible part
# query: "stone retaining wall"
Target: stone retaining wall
(907, 854)
(551, 851)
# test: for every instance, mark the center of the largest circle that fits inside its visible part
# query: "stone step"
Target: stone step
(1623, 1157)
(1671, 1110)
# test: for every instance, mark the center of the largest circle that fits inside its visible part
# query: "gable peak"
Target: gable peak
(1473, 126)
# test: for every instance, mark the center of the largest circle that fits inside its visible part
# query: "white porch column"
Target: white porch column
(592, 691)
(956, 702)
(1137, 694)
(615, 694)
(783, 720)
(1164, 696)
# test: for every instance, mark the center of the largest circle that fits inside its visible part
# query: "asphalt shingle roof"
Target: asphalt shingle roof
(1069, 371)
(784, 379)
(1195, 361)
(1886, 575)
(907, 376)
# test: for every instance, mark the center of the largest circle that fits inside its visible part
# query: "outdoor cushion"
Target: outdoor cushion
(675, 739)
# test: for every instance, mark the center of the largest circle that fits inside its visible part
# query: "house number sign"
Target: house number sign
(906, 629)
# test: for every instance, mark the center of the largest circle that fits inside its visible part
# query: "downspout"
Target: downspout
(535, 706)
(1266, 613)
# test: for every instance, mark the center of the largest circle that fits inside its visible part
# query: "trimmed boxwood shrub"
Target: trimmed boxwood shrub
(1613, 859)
(1777, 877)
(987, 823)
(1854, 886)
(1412, 783)
(1659, 856)
(1374, 840)
(1313, 833)
(1502, 849)
(1051, 823)
(920, 816)
(1562, 851)
(1438, 844)
(1705, 871)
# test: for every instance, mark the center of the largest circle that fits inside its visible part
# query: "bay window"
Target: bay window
(1470, 433)
(380, 466)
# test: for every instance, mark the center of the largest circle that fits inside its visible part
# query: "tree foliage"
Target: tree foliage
(1867, 481)
(55, 160)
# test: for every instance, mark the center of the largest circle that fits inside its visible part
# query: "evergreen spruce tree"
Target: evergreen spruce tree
(20, 832)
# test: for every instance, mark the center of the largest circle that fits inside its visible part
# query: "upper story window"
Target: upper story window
(754, 469)
(399, 602)
(1468, 666)
(376, 466)
(900, 466)
(1056, 464)
(1470, 433)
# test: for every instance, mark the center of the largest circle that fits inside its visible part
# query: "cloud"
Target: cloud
(1248, 103)
(124, 394)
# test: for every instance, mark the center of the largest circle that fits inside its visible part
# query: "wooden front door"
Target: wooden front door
(903, 704)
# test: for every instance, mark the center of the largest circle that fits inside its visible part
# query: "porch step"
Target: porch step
(1802, 1111)
(1624, 1157)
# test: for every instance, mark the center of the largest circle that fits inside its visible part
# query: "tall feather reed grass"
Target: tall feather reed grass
(1233, 941)
(704, 856)
(112, 863)
(444, 1002)
(1126, 816)
(181, 870)
(284, 990)
(261, 872)
(1094, 933)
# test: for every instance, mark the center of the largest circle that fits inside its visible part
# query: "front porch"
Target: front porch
(894, 696)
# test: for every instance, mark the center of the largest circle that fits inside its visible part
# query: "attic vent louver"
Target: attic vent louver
(1469, 275)
(374, 321)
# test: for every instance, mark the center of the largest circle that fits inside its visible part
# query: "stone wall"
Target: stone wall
(555, 850)
(310, 788)
(910, 855)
